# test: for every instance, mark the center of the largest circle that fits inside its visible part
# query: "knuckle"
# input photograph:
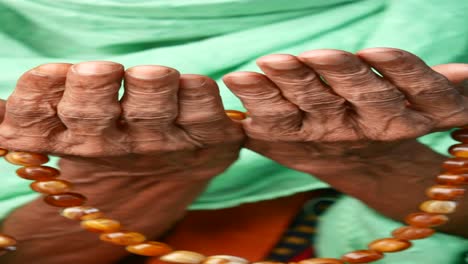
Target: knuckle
(273, 111)
(376, 96)
(22, 108)
(314, 101)
(161, 113)
(206, 118)
(67, 111)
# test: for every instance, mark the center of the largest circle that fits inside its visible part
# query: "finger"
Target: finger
(201, 112)
(149, 103)
(454, 72)
(2, 109)
(89, 106)
(268, 109)
(421, 85)
(371, 96)
(300, 84)
(31, 109)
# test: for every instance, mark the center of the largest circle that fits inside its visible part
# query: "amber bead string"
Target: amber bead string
(443, 198)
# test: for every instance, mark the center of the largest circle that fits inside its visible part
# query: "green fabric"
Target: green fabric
(350, 225)
(214, 37)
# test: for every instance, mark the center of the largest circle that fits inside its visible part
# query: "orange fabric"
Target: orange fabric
(250, 230)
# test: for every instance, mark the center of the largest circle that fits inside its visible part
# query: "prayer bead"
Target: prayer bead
(224, 259)
(460, 135)
(456, 165)
(150, 249)
(26, 158)
(182, 256)
(459, 150)
(412, 233)
(438, 207)
(51, 186)
(387, 245)
(65, 199)
(101, 225)
(321, 261)
(426, 219)
(5, 250)
(6, 241)
(362, 256)
(453, 179)
(3, 152)
(82, 213)
(445, 192)
(123, 238)
(235, 115)
(38, 173)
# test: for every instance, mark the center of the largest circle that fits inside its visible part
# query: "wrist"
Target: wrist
(83, 170)
(404, 155)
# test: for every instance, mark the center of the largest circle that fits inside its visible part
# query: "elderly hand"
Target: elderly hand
(328, 108)
(166, 124)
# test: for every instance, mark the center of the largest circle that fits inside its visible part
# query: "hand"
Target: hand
(353, 114)
(165, 124)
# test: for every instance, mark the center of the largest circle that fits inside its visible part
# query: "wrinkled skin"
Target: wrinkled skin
(165, 124)
(170, 126)
(302, 122)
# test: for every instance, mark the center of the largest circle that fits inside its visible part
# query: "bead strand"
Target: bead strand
(444, 197)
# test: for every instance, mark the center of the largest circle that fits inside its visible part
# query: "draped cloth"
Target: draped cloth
(214, 37)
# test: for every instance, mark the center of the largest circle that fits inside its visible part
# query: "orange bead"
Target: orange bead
(438, 207)
(82, 213)
(123, 238)
(426, 219)
(456, 165)
(412, 233)
(51, 186)
(445, 192)
(460, 135)
(362, 256)
(321, 261)
(150, 249)
(453, 179)
(6, 241)
(268, 262)
(459, 150)
(5, 250)
(26, 158)
(3, 152)
(183, 256)
(101, 225)
(387, 245)
(65, 199)
(224, 259)
(235, 115)
(37, 173)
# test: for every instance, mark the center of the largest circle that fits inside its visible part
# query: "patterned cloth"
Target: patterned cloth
(297, 241)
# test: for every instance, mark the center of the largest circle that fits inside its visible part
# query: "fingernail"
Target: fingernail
(149, 72)
(52, 69)
(279, 62)
(327, 59)
(192, 81)
(95, 67)
(244, 79)
(382, 56)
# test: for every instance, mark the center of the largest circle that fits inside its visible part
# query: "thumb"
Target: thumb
(455, 72)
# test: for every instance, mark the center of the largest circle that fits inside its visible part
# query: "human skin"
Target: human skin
(146, 183)
(357, 132)
(142, 160)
